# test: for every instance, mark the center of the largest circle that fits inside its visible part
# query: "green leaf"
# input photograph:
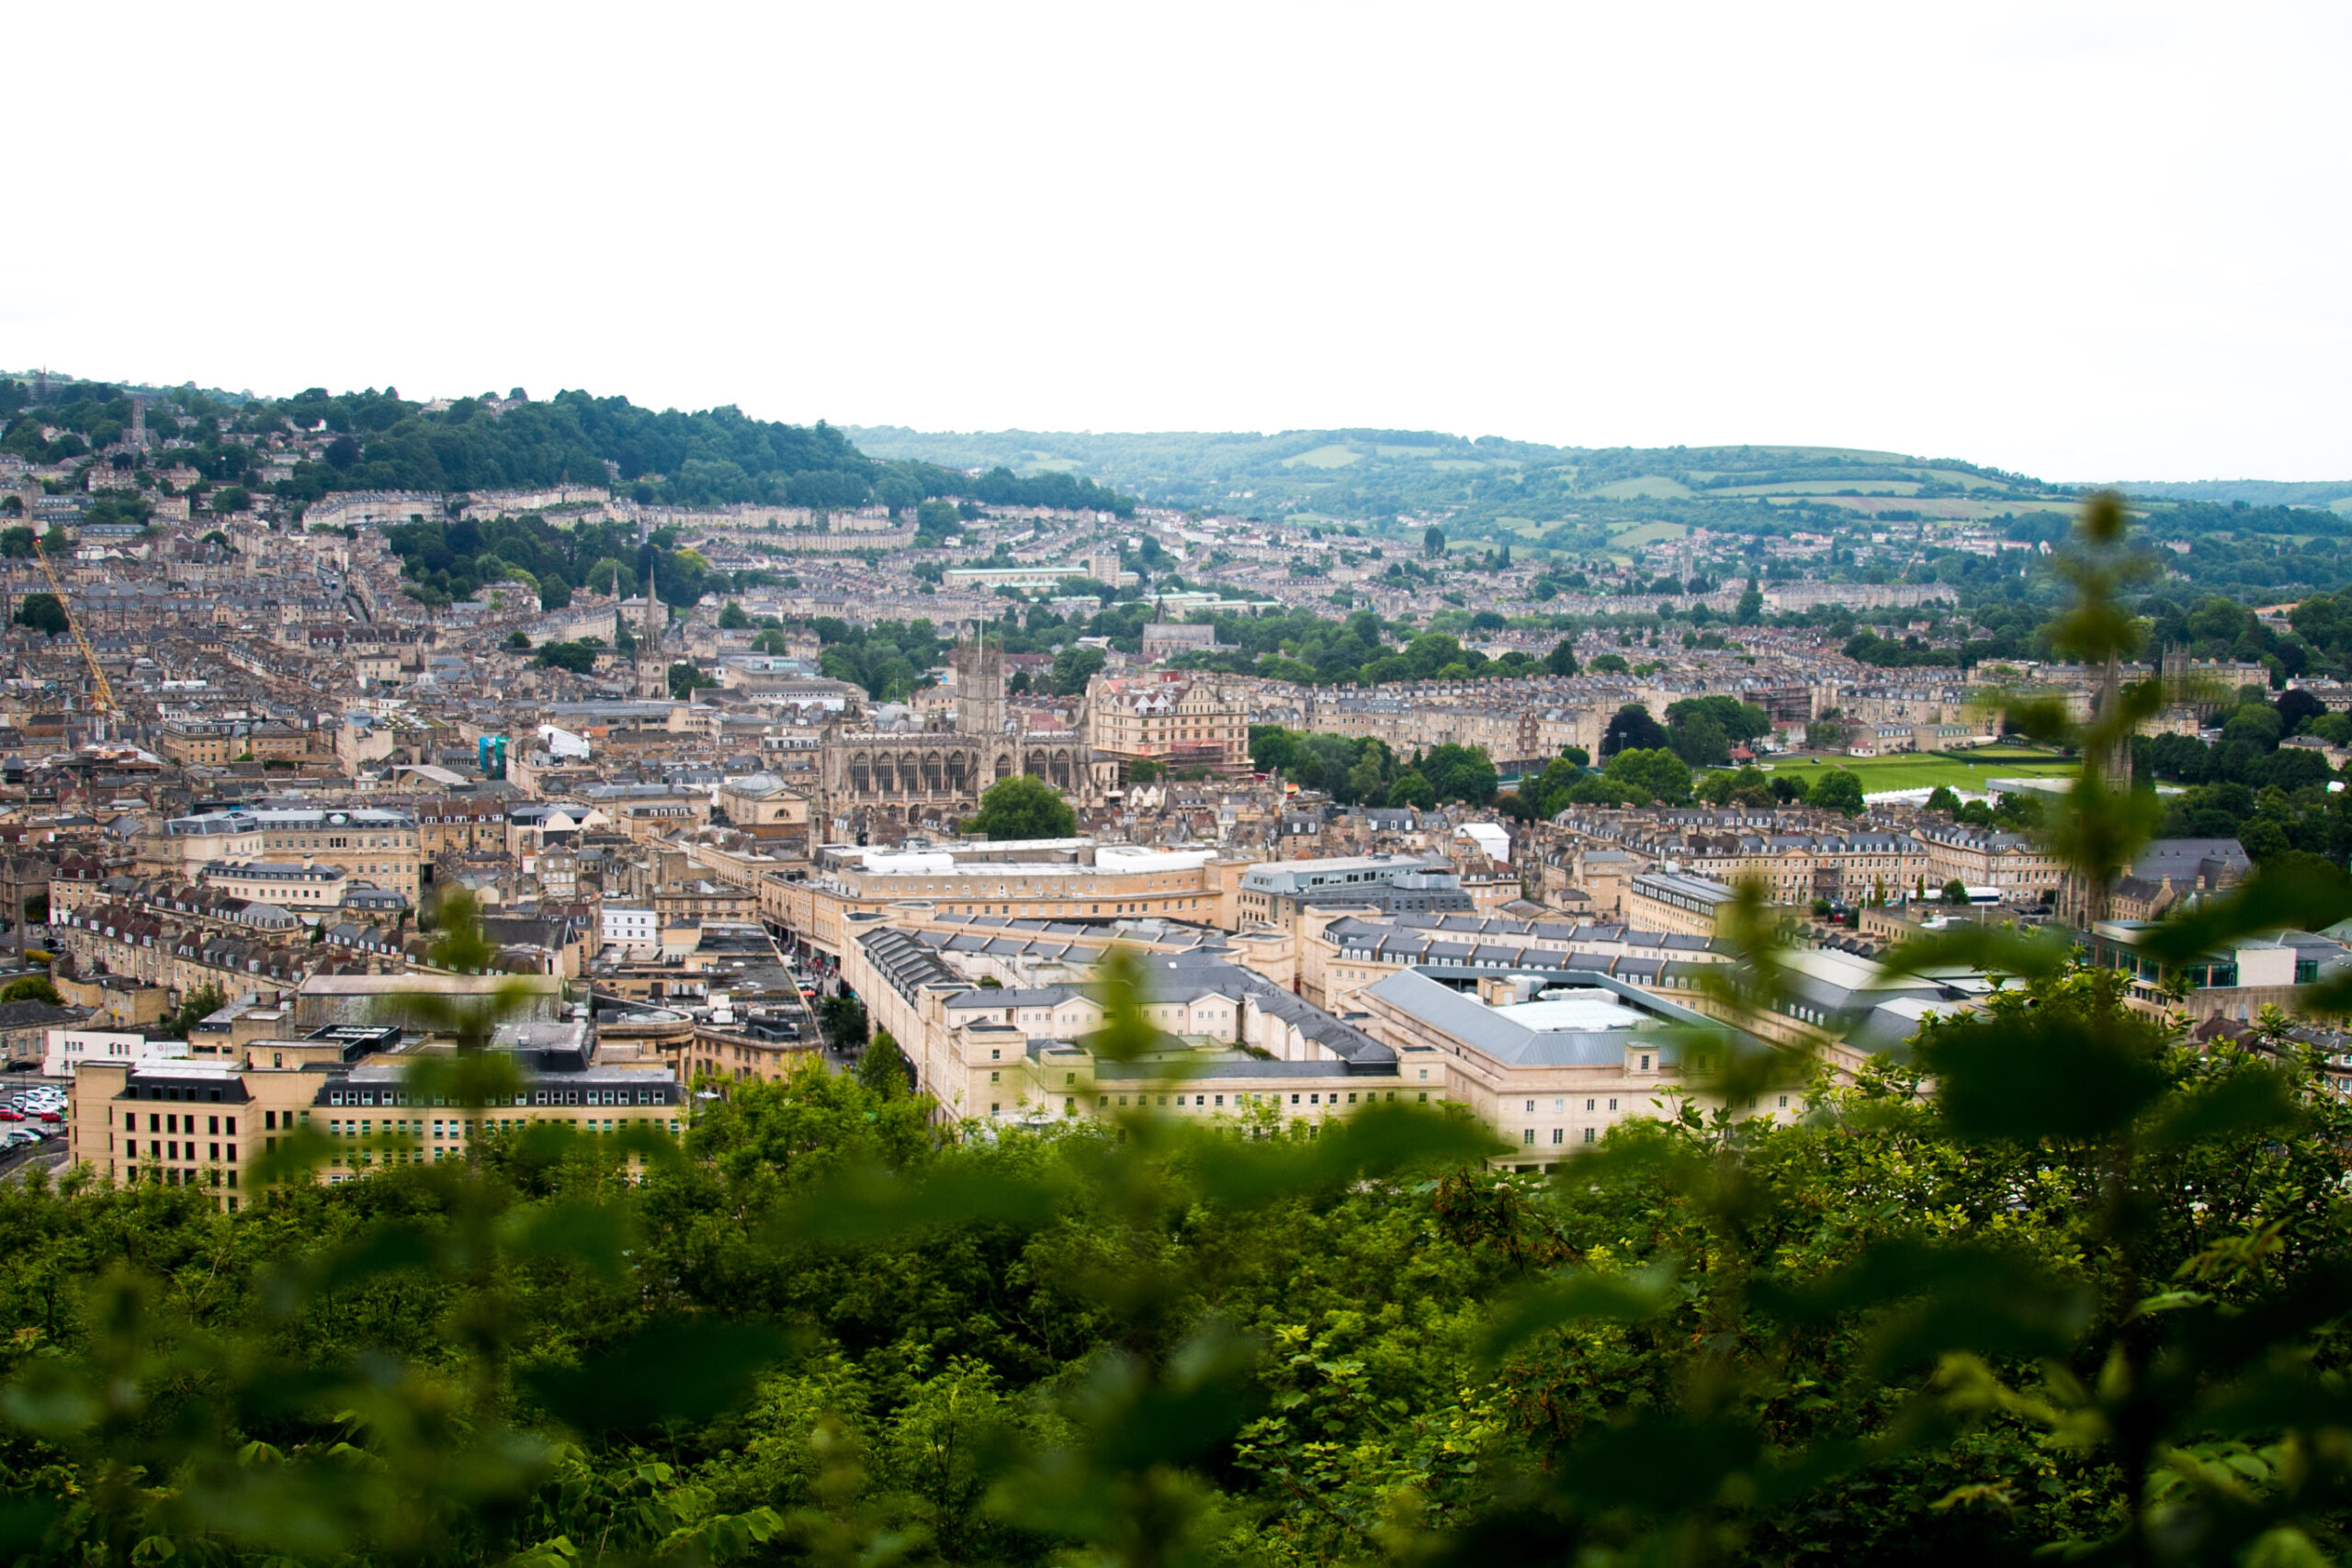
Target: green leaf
(2025, 1078)
(675, 1370)
(1622, 1298)
(2246, 1102)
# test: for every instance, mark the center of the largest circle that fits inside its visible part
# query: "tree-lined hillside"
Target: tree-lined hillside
(379, 440)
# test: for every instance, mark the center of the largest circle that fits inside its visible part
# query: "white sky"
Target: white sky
(2083, 241)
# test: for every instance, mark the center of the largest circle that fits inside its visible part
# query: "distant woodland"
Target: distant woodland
(381, 441)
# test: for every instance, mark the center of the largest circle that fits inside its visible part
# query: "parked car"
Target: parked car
(56, 1117)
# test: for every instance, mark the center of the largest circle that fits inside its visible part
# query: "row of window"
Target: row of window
(1218, 1101)
(170, 1121)
(447, 1130)
(169, 1149)
(180, 1176)
(390, 1097)
(1559, 1135)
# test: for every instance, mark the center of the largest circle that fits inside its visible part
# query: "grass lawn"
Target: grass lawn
(1824, 486)
(1648, 534)
(1917, 772)
(1330, 456)
(1651, 487)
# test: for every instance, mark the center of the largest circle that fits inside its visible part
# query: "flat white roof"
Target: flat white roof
(1584, 1008)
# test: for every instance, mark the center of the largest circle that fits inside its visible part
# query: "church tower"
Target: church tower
(979, 685)
(653, 674)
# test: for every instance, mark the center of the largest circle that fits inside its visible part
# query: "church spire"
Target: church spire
(653, 678)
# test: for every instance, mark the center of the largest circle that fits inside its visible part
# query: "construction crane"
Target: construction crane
(105, 703)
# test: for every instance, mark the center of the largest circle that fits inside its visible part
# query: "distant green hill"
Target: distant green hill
(2333, 494)
(1487, 486)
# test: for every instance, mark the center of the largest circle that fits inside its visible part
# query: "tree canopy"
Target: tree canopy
(1632, 727)
(1024, 807)
(42, 613)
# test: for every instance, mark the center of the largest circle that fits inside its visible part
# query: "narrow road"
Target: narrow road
(46, 1159)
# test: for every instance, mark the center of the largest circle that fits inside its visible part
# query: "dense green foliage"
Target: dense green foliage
(887, 658)
(1702, 730)
(380, 441)
(1888, 1332)
(444, 560)
(43, 613)
(579, 657)
(1024, 807)
(1365, 771)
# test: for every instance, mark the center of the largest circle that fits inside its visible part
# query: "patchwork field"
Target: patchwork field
(1330, 456)
(1644, 487)
(1822, 486)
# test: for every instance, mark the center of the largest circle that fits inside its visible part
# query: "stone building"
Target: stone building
(870, 775)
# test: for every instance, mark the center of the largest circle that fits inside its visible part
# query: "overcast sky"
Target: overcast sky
(2082, 241)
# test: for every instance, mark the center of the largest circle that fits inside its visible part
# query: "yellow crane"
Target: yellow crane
(105, 693)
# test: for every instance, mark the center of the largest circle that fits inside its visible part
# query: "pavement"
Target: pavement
(48, 1157)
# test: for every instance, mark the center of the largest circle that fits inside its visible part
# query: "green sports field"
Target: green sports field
(1914, 772)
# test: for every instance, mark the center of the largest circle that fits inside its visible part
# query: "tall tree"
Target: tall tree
(1024, 807)
(43, 612)
(1631, 729)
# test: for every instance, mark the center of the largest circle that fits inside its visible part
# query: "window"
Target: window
(1527, 1135)
(1587, 1105)
(1588, 1134)
(1531, 1108)
(1612, 1105)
